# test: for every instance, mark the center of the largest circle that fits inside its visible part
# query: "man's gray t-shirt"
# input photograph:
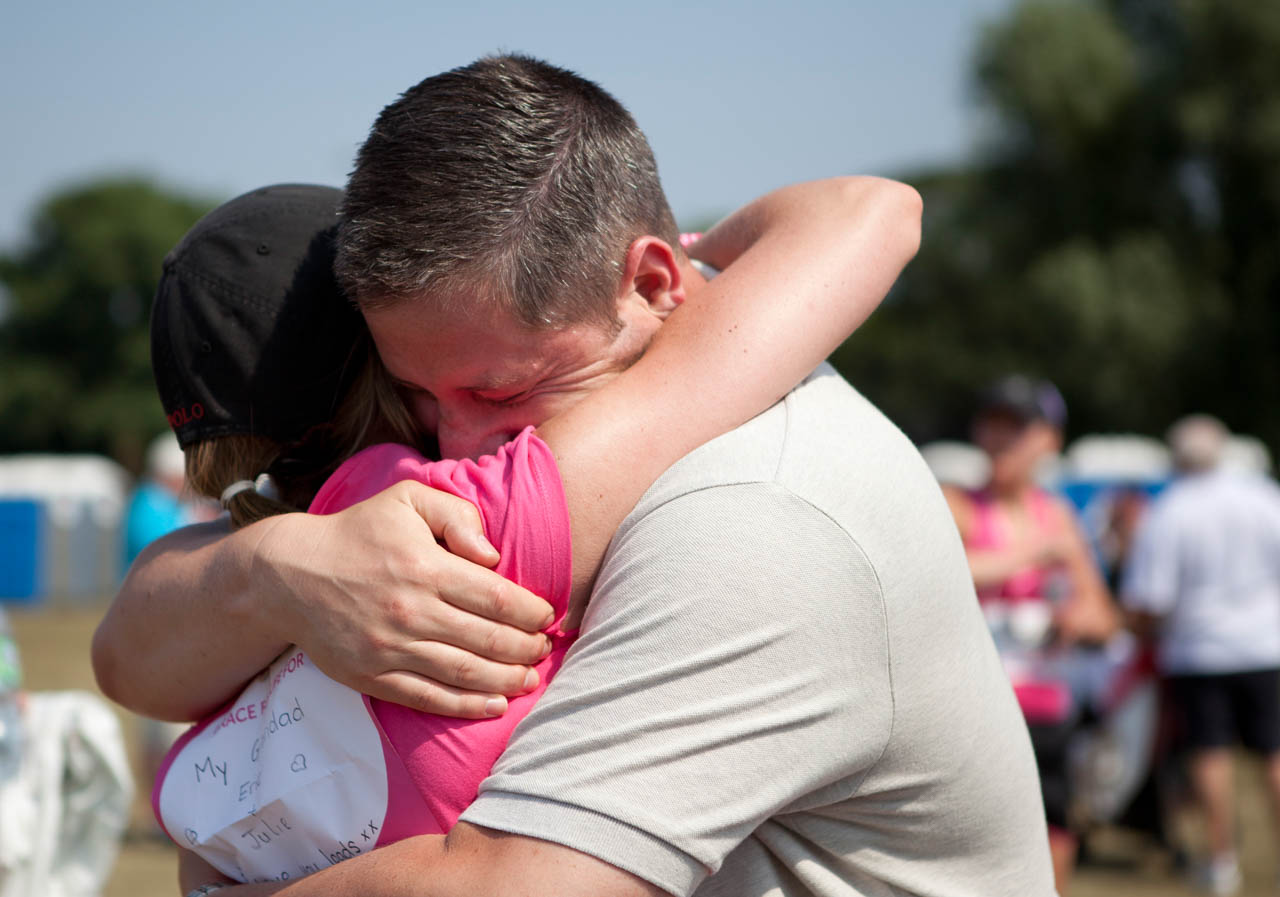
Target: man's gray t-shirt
(784, 684)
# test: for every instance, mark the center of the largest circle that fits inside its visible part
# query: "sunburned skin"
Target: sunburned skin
(478, 381)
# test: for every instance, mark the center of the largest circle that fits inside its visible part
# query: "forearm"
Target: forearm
(804, 266)
(414, 867)
(468, 862)
(993, 567)
(187, 628)
(1090, 614)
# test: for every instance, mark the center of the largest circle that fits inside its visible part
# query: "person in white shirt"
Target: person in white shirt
(1204, 580)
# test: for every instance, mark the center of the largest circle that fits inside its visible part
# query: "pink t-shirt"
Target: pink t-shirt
(1043, 698)
(989, 533)
(521, 502)
(299, 772)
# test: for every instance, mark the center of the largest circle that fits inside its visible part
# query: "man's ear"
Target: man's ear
(651, 277)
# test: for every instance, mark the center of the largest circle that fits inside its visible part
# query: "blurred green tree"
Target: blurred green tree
(75, 371)
(1119, 234)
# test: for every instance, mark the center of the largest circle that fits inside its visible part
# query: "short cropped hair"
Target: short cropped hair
(507, 181)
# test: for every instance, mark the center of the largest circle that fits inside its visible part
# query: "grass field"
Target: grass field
(55, 653)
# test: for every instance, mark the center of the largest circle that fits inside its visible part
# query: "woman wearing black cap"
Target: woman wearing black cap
(1035, 575)
(219, 400)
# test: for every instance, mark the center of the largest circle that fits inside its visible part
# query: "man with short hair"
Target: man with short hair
(1204, 579)
(783, 682)
(511, 198)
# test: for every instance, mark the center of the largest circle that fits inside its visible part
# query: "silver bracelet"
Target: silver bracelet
(207, 889)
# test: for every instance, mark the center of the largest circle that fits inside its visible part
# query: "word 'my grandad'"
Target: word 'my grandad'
(278, 721)
(253, 710)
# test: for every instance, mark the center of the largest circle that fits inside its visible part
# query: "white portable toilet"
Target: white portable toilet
(81, 499)
(1117, 457)
(957, 463)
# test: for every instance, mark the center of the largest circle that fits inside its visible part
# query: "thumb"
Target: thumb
(452, 520)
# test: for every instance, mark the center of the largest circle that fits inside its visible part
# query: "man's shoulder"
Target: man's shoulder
(1186, 501)
(824, 443)
(813, 422)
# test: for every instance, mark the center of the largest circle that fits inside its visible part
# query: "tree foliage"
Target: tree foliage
(75, 371)
(1120, 233)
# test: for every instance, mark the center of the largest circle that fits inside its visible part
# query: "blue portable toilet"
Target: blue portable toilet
(76, 551)
(22, 550)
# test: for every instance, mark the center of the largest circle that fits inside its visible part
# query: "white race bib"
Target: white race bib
(290, 780)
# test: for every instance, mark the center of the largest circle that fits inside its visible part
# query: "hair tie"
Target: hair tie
(233, 490)
(264, 485)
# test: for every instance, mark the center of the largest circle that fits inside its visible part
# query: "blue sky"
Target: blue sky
(736, 98)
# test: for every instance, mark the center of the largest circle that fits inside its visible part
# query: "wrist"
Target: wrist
(261, 590)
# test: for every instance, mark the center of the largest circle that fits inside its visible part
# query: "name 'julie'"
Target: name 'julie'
(264, 832)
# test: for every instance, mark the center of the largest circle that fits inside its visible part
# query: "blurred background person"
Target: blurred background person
(1115, 543)
(1203, 582)
(1040, 588)
(161, 502)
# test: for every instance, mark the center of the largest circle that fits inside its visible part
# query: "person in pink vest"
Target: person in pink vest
(1035, 575)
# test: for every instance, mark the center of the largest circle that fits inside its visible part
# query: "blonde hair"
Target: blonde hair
(369, 413)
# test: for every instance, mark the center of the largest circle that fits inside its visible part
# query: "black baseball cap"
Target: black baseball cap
(250, 332)
(1026, 399)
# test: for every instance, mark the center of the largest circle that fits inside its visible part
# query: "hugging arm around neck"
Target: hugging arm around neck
(802, 267)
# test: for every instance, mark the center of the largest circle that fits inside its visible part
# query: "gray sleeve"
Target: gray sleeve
(733, 663)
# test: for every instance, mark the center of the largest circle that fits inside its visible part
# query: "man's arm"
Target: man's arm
(469, 862)
(368, 592)
(167, 634)
(726, 668)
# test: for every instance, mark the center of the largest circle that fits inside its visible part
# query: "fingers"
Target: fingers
(459, 668)
(486, 594)
(429, 696)
(433, 677)
(488, 641)
(462, 628)
(417, 624)
(456, 577)
(453, 520)
(445, 606)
